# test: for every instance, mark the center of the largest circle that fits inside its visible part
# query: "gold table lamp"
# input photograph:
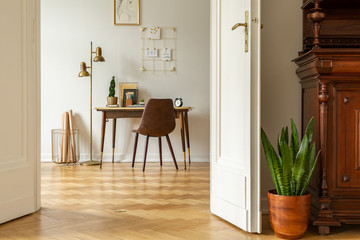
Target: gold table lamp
(85, 73)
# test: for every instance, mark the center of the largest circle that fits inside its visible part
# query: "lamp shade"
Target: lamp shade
(83, 72)
(99, 57)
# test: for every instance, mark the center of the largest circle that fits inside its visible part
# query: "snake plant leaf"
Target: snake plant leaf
(300, 165)
(287, 160)
(310, 174)
(292, 187)
(286, 136)
(278, 145)
(273, 161)
(294, 142)
(308, 165)
(291, 170)
(311, 156)
(279, 150)
(310, 129)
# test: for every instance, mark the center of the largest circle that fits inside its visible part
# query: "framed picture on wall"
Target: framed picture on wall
(126, 12)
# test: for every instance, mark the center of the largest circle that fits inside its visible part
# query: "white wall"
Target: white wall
(281, 91)
(68, 27)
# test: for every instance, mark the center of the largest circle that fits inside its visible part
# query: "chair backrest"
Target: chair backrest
(158, 118)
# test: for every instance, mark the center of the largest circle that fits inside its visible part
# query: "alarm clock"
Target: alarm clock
(178, 102)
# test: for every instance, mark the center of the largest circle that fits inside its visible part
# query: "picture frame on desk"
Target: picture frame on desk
(126, 12)
(125, 85)
(129, 94)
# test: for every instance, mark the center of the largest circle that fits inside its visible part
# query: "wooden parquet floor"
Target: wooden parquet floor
(118, 202)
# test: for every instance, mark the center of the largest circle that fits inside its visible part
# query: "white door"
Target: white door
(235, 113)
(20, 108)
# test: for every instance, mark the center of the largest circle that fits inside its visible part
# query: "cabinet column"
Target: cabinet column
(325, 217)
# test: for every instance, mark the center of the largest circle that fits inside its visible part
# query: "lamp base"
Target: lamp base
(90, 163)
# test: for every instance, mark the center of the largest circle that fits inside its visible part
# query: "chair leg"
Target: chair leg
(160, 151)
(171, 150)
(135, 146)
(146, 148)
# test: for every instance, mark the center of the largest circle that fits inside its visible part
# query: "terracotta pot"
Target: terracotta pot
(112, 100)
(289, 215)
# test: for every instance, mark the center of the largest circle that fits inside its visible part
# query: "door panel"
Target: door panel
(234, 90)
(235, 114)
(19, 104)
(348, 143)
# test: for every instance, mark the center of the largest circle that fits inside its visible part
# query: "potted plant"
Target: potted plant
(112, 100)
(291, 169)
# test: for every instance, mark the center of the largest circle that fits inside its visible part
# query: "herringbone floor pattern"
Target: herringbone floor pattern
(121, 203)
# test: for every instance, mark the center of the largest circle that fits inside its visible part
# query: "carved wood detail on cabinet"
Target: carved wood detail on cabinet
(331, 24)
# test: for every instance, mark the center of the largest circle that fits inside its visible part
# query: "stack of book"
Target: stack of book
(110, 105)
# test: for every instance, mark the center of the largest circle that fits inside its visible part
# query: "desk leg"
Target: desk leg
(102, 137)
(113, 143)
(181, 118)
(160, 151)
(187, 134)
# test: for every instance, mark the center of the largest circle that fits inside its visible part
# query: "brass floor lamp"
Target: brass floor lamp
(85, 73)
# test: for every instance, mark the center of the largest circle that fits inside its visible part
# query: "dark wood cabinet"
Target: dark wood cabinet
(329, 72)
(330, 80)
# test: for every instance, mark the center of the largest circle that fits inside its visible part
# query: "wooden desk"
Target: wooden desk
(136, 112)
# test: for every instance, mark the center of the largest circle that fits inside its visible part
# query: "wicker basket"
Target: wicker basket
(65, 146)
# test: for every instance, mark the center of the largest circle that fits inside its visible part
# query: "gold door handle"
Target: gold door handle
(246, 25)
(239, 25)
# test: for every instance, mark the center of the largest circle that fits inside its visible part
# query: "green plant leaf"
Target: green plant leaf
(112, 87)
(278, 144)
(291, 170)
(286, 136)
(273, 162)
(309, 175)
(308, 165)
(311, 156)
(310, 129)
(294, 142)
(292, 187)
(300, 165)
(287, 165)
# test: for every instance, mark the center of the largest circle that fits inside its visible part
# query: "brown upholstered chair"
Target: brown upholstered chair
(158, 120)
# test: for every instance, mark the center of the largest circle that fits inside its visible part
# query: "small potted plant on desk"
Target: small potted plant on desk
(289, 203)
(112, 100)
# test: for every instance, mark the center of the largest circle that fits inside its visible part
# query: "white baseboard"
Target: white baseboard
(128, 158)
